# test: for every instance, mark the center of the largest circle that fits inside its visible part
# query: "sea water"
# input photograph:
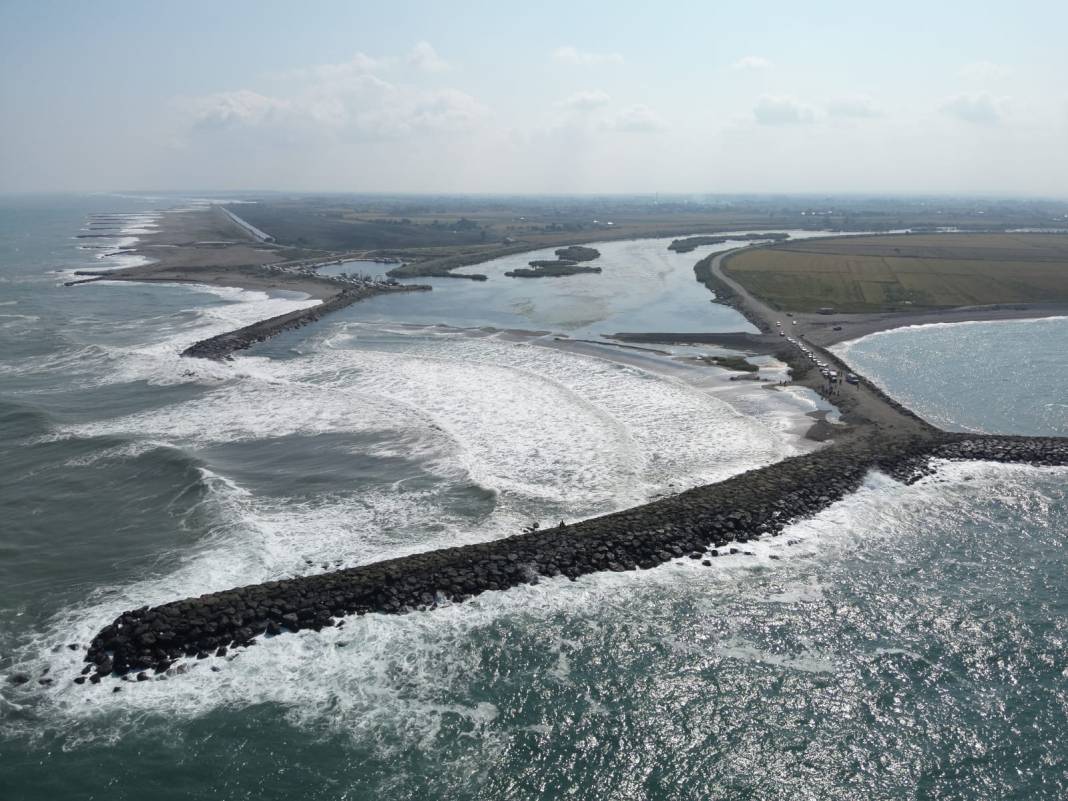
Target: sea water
(908, 642)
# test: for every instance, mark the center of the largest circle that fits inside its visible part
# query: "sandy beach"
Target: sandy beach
(200, 246)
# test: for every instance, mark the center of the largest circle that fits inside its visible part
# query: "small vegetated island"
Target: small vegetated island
(567, 262)
(689, 243)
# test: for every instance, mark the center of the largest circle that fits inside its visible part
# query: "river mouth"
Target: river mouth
(643, 286)
(901, 630)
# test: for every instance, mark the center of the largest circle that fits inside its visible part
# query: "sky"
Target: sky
(535, 97)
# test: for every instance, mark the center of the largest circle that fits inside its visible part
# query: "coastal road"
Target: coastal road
(863, 406)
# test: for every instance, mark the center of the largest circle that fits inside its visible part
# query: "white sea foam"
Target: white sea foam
(391, 681)
(127, 234)
(18, 321)
(532, 423)
(127, 450)
(158, 360)
(809, 662)
(156, 344)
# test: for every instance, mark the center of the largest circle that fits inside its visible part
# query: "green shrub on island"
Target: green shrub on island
(567, 263)
(545, 269)
(578, 253)
(689, 243)
(552, 263)
(733, 363)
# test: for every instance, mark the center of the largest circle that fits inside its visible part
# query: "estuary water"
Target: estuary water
(906, 643)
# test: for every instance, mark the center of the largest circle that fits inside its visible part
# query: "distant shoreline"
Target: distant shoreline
(199, 249)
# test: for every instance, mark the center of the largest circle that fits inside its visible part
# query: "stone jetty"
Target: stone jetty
(223, 345)
(702, 524)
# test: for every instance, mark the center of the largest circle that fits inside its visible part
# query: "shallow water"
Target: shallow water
(643, 286)
(907, 642)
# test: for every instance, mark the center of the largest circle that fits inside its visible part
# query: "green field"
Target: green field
(910, 271)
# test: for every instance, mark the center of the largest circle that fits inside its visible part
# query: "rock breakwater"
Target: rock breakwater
(703, 523)
(223, 345)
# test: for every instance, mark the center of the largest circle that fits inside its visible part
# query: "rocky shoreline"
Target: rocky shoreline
(700, 524)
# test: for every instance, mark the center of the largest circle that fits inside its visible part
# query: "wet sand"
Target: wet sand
(243, 277)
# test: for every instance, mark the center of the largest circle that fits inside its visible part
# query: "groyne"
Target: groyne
(701, 524)
(223, 345)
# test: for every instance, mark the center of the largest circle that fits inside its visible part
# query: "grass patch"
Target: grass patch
(917, 271)
(738, 363)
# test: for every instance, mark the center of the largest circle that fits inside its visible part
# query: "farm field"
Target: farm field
(905, 272)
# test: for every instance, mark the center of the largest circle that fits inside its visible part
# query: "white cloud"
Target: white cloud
(341, 102)
(359, 64)
(984, 71)
(771, 110)
(572, 55)
(752, 63)
(637, 119)
(426, 58)
(980, 108)
(855, 107)
(446, 110)
(226, 109)
(587, 101)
